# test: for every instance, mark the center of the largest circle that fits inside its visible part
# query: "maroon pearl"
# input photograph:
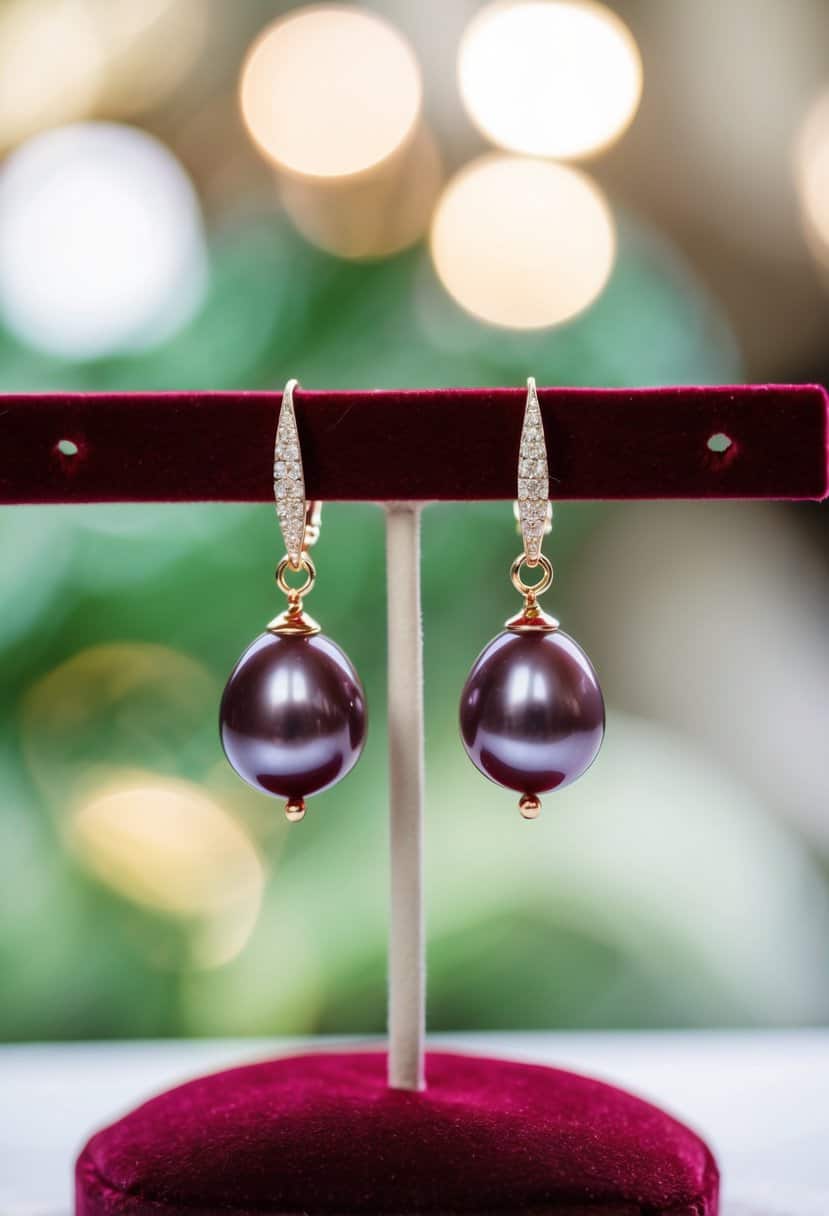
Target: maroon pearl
(293, 715)
(532, 712)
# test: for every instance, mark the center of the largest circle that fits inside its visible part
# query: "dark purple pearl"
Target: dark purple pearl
(532, 713)
(293, 715)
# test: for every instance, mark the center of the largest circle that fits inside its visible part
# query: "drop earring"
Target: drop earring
(531, 713)
(293, 713)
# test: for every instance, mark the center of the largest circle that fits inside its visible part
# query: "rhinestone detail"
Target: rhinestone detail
(533, 478)
(288, 480)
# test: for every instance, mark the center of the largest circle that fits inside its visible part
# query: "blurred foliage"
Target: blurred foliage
(118, 625)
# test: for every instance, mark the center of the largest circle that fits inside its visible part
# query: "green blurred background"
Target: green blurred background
(144, 891)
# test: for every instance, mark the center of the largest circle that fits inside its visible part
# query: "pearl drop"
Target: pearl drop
(293, 715)
(532, 713)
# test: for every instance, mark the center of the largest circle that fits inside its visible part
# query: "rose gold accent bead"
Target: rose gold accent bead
(295, 810)
(530, 806)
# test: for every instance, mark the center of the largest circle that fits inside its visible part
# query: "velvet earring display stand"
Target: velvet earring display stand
(357, 1132)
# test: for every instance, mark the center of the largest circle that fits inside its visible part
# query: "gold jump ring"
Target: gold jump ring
(306, 564)
(543, 583)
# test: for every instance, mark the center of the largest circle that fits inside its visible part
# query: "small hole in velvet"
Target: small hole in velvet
(719, 443)
(67, 447)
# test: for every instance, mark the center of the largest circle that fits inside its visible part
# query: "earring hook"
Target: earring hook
(299, 519)
(534, 516)
(533, 508)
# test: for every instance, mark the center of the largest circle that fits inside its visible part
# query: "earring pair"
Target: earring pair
(293, 713)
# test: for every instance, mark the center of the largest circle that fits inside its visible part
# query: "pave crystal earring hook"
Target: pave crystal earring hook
(293, 713)
(532, 714)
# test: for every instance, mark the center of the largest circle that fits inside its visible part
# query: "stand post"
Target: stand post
(407, 970)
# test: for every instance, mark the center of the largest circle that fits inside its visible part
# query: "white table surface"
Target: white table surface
(761, 1099)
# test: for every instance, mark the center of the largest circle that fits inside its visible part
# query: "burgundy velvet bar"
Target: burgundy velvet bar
(427, 445)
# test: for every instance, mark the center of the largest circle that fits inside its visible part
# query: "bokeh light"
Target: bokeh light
(372, 215)
(51, 65)
(549, 77)
(118, 705)
(522, 243)
(330, 90)
(101, 241)
(812, 171)
(164, 844)
(149, 47)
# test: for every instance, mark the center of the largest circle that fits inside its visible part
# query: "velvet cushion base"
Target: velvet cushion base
(321, 1133)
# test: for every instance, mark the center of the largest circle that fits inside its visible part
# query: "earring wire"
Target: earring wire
(533, 508)
(299, 519)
